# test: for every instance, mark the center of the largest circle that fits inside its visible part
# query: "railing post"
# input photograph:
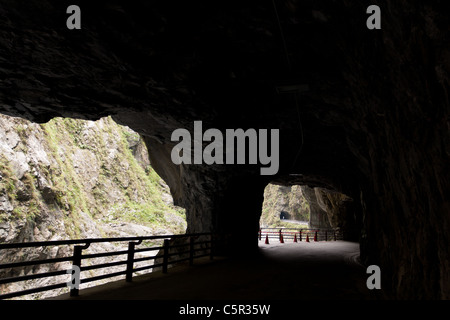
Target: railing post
(130, 260)
(165, 256)
(300, 236)
(76, 264)
(191, 250)
(315, 236)
(281, 237)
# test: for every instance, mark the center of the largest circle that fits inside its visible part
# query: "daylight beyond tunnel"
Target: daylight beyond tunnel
(293, 206)
(368, 115)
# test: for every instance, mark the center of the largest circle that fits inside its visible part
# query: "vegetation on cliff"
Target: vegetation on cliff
(286, 199)
(75, 170)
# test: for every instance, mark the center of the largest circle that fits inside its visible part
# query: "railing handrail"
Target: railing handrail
(93, 240)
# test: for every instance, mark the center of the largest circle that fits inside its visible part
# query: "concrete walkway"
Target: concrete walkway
(305, 271)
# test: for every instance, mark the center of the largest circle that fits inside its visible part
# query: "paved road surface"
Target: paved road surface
(315, 270)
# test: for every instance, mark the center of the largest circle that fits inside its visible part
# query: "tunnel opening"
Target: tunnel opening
(321, 264)
(301, 206)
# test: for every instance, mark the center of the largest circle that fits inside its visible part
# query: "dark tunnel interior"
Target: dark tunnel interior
(362, 115)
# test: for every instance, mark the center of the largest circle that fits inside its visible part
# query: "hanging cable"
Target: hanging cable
(288, 60)
(301, 130)
(282, 36)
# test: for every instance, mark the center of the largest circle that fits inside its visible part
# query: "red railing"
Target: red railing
(297, 235)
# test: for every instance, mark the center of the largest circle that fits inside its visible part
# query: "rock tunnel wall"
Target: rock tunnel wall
(373, 123)
(332, 209)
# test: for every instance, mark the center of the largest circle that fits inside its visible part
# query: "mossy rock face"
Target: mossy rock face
(288, 199)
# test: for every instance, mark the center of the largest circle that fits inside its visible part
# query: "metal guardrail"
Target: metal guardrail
(299, 234)
(201, 243)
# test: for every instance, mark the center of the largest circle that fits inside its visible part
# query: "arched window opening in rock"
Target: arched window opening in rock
(95, 174)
